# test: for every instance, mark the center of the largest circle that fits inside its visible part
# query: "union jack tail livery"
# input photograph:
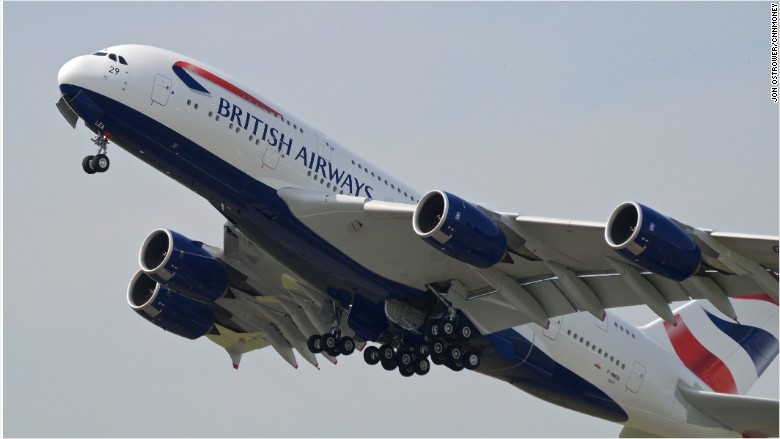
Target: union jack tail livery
(727, 355)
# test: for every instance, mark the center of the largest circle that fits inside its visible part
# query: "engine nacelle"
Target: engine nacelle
(459, 229)
(167, 309)
(653, 241)
(183, 265)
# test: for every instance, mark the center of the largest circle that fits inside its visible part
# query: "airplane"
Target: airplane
(325, 253)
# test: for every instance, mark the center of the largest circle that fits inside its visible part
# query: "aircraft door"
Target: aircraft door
(162, 89)
(637, 377)
(271, 156)
(324, 148)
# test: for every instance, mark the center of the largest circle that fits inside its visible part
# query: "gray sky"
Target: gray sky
(550, 109)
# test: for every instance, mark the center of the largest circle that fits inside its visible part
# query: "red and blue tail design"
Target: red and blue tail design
(728, 356)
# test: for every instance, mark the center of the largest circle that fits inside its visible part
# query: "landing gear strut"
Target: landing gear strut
(98, 162)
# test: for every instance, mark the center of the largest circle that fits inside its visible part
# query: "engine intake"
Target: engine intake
(183, 265)
(168, 310)
(459, 229)
(652, 241)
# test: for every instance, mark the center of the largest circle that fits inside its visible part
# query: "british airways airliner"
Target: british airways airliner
(325, 253)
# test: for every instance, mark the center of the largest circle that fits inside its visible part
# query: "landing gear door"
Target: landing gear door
(161, 90)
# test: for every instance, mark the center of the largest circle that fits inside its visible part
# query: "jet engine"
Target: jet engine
(183, 265)
(168, 310)
(459, 229)
(652, 241)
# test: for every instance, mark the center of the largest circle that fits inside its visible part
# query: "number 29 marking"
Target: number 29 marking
(114, 70)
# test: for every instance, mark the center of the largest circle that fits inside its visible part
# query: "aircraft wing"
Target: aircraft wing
(551, 267)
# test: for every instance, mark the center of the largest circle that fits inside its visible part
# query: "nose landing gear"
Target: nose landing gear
(98, 162)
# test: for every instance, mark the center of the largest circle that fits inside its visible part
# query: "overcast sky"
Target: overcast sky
(550, 109)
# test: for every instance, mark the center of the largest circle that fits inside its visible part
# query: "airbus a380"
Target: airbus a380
(324, 252)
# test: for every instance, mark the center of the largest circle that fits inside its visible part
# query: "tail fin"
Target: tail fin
(728, 356)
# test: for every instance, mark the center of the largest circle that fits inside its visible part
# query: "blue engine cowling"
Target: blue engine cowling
(459, 229)
(183, 265)
(167, 309)
(652, 241)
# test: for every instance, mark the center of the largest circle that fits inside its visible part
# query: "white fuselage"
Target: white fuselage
(262, 140)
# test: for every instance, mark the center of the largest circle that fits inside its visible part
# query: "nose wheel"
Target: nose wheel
(98, 162)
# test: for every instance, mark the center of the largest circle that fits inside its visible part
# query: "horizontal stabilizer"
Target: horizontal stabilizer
(743, 414)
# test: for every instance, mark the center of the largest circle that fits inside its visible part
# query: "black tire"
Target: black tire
(448, 329)
(437, 359)
(314, 344)
(346, 345)
(386, 353)
(388, 365)
(455, 366)
(421, 350)
(464, 331)
(471, 360)
(433, 330)
(100, 163)
(404, 358)
(371, 355)
(86, 164)
(329, 342)
(438, 348)
(406, 371)
(422, 366)
(454, 353)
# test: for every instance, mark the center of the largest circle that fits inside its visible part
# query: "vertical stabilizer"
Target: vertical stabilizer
(728, 355)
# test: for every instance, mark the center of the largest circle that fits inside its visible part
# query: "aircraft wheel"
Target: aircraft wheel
(437, 359)
(420, 350)
(464, 331)
(404, 358)
(448, 329)
(86, 164)
(422, 367)
(455, 366)
(386, 352)
(100, 163)
(314, 344)
(437, 348)
(433, 330)
(346, 345)
(471, 360)
(454, 353)
(406, 371)
(388, 364)
(330, 345)
(371, 355)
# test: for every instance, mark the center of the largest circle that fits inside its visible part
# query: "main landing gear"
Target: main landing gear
(98, 162)
(444, 344)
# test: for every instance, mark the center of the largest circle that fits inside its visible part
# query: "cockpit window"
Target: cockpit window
(114, 57)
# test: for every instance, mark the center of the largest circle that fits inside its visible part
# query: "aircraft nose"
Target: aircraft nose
(71, 73)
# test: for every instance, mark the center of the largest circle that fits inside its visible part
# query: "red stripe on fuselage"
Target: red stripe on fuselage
(226, 85)
(764, 297)
(698, 359)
